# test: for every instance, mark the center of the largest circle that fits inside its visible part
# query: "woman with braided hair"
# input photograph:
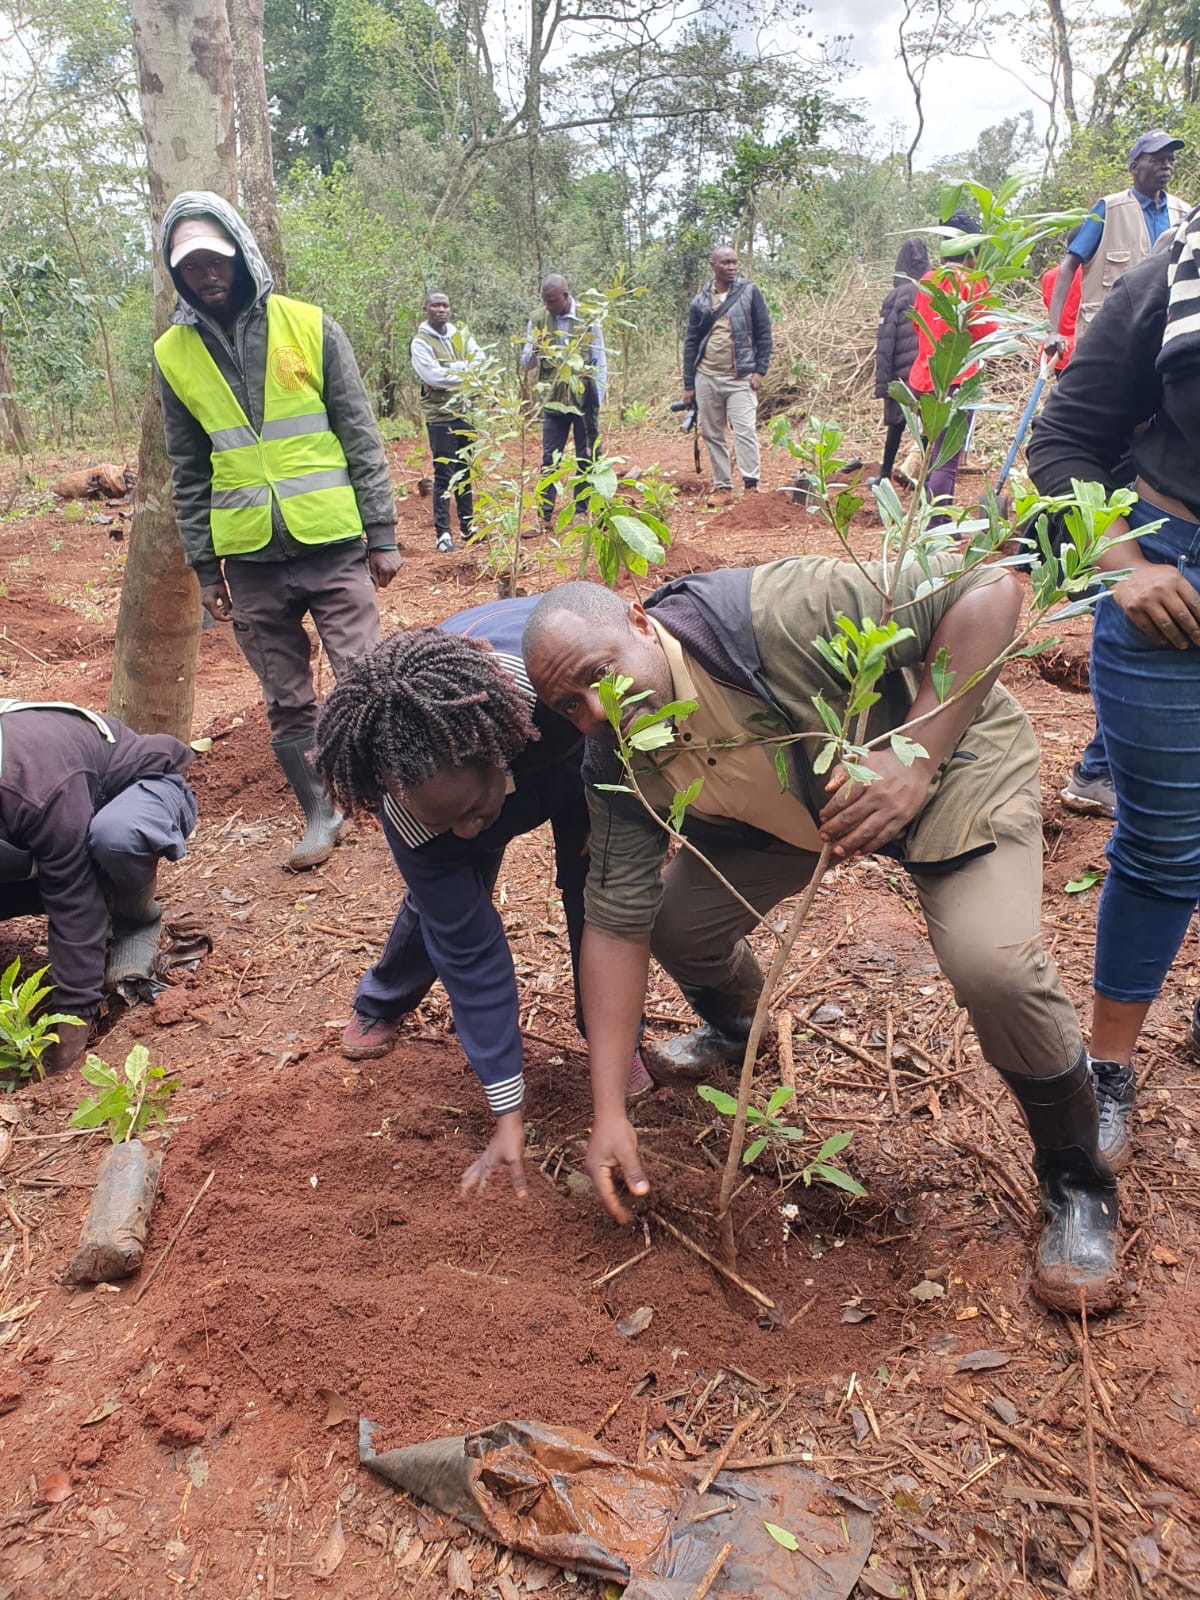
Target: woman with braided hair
(439, 731)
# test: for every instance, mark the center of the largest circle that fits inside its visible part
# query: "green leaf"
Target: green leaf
(926, 1290)
(653, 737)
(833, 723)
(834, 1145)
(98, 1072)
(639, 537)
(835, 1176)
(779, 1099)
(680, 802)
(781, 1536)
(781, 767)
(1084, 882)
(906, 750)
(753, 1151)
(718, 1099)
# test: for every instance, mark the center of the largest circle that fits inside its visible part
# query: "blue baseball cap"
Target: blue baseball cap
(1152, 143)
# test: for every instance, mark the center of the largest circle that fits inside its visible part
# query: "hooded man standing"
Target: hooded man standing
(278, 473)
(725, 358)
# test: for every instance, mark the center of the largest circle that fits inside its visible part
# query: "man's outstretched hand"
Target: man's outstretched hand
(613, 1150)
(863, 817)
(506, 1149)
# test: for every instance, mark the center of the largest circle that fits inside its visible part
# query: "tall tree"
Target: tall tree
(185, 82)
(255, 167)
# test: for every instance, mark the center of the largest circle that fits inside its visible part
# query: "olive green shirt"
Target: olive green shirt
(793, 602)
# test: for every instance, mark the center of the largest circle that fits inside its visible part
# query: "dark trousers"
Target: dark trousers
(557, 428)
(147, 822)
(891, 445)
(404, 973)
(271, 600)
(447, 439)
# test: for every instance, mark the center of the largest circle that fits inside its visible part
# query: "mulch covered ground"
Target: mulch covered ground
(202, 1437)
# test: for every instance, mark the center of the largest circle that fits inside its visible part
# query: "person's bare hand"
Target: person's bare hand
(1055, 345)
(689, 396)
(506, 1149)
(756, 381)
(862, 817)
(214, 597)
(383, 565)
(613, 1149)
(1160, 601)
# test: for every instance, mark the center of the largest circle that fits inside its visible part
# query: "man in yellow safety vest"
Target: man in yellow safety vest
(282, 489)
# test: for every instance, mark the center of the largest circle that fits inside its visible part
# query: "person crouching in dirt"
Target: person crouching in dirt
(439, 729)
(88, 808)
(965, 822)
(279, 477)
(1126, 408)
(896, 347)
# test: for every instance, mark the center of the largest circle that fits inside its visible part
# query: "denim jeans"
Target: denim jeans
(1148, 703)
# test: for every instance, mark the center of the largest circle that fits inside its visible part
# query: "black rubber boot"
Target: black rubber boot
(721, 1038)
(325, 823)
(1078, 1245)
(136, 920)
(1114, 1086)
(1193, 1033)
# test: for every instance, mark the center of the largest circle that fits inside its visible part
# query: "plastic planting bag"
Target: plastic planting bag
(113, 1241)
(556, 1495)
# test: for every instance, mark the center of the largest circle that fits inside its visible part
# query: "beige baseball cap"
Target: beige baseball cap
(199, 233)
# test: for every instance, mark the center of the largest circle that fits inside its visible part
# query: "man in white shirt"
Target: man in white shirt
(441, 356)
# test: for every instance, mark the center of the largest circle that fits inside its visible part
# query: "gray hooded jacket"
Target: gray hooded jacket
(241, 357)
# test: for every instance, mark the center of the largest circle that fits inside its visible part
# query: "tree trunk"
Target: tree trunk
(13, 433)
(1062, 51)
(255, 167)
(185, 81)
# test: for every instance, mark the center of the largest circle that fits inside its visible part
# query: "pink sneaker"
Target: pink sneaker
(366, 1037)
(640, 1081)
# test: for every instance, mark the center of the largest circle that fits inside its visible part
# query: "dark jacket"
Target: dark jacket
(241, 358)
(895, 332)
(749, 321)
(56, 772)
(1092, 422)
(451, 879)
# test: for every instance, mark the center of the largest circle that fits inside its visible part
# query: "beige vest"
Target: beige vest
(722, 743)
(1124, 242)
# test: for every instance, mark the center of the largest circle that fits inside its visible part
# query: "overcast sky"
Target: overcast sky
(961, 97)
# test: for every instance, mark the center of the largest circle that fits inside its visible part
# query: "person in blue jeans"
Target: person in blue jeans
(439, 732)
(1134, 388)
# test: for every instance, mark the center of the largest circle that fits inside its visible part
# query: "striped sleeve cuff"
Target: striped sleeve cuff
(507, 1095)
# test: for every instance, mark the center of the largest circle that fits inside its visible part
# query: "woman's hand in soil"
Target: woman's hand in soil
(506, 1148)
(861, 817)
(1160, 602)
(613, 1148)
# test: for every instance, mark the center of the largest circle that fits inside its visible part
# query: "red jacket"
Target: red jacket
(1070, 310)
(919, 379)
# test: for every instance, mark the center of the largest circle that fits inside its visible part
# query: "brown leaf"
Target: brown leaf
(1082, 1571)
(458, 1574)
(856, 1314)
(328, 1557)
(1143, 1552)
(1165, 1257)
(636, 1322)
(877, 1580)
(861, 1426)
(55, 1487)
(982, 1360)
(336, 1409)
(104, 1409)
(1004, 1409)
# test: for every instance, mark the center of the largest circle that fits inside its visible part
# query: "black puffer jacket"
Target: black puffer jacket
(896, 334)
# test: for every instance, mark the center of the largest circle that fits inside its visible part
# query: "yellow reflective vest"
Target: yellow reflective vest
(297, 460)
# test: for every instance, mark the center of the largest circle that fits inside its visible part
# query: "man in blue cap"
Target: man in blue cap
(1120, 232)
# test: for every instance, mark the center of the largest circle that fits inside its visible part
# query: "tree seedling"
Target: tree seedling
(128, 1100)
(769, 1127)
(25, 1035)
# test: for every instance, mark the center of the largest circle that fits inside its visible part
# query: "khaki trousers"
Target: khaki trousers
(984, 922)
(722, 403)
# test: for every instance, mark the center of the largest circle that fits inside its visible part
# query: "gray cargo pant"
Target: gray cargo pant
(270, 601)
(984, 922)
(722, 403)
